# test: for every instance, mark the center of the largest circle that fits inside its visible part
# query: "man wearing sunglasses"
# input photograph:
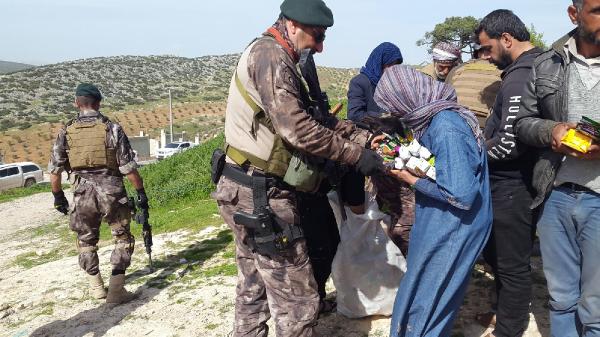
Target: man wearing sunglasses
(267, 123)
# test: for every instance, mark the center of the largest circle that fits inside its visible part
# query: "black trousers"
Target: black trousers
(321, 233)
(508, 251)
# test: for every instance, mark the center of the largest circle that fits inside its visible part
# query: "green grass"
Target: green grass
(32, 259)
(19, 192)
(181, 178)
(47, 309)
(226, 269)
(64, 247)
(193, 215)
(211, 326)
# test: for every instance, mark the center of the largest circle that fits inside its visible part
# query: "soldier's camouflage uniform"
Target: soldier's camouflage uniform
(99, 194)
(281, 286)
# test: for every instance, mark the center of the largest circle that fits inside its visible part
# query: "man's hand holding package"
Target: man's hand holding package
(559, 132)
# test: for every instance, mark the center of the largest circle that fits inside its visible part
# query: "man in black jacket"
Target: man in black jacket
(563, 87)
(504, 41)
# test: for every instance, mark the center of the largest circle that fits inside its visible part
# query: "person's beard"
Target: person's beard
(504, 61)
(586, 34)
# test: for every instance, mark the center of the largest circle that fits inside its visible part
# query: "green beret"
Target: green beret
(308, 12)
(87, 89)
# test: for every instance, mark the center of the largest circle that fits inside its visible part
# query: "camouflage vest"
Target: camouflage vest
(477, 83)
(87, 146)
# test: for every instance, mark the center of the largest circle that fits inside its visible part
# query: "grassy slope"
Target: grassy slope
(15, 193)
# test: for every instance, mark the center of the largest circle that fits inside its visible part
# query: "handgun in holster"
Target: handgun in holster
(264, 238)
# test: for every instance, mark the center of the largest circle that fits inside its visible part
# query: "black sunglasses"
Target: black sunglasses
(318, 36)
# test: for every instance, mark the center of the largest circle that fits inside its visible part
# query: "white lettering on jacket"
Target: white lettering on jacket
(499, 151)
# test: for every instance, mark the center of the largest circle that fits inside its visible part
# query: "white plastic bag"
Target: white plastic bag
(368, 266)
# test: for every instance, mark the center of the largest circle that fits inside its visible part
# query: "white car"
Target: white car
(172, 148)
(23, 174)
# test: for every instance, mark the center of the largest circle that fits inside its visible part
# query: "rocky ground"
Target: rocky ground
(190, 292)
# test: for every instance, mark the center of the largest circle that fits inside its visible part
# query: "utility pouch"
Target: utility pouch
(302, 174)
(217, 162)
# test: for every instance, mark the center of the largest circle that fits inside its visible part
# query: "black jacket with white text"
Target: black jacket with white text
(507, 157)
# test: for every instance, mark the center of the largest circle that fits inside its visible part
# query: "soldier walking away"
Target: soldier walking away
(272, 139)
(97, 151)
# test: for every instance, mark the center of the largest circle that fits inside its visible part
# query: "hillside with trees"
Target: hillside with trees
(45, 94)
(11, 67)
(35, 102)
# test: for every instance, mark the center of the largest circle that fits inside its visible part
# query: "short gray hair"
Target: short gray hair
(578, 4)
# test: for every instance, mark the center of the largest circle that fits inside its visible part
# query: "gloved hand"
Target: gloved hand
(142, 199)
(370, 163)
(61, 203)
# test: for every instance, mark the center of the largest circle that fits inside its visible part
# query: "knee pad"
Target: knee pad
(125, 241)
(85, 249)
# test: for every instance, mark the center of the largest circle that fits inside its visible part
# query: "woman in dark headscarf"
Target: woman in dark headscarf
(453, 213)
(362, 86)
(396, 200)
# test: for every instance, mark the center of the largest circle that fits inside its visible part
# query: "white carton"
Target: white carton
(404, 153)
(423, 166)
(414, 147)
(424, 153)
(431, 173)
(399, 165)
(412, 163)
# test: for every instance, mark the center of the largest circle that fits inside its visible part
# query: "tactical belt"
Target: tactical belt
(271, 235)
(237, 174)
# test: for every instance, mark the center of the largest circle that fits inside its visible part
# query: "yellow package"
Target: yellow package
(577, 141)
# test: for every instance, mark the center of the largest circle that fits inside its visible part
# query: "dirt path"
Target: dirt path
(191, 292)
(28, 212)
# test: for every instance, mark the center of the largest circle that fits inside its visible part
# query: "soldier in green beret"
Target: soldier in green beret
(267, 122)
(98, 153)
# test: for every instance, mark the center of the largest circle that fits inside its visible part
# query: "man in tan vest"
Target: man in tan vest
(269, 129)
(97, 151)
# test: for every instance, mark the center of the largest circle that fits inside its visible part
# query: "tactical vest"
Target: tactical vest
(477, 83)
(249, 133)
(87, 145)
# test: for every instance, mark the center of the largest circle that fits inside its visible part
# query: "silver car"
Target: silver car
(23, 174)
(173, 148)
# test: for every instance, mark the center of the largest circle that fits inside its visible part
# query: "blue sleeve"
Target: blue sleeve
(457, 162)
(357, 101)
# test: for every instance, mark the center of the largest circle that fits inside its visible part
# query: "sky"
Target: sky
(51, 31)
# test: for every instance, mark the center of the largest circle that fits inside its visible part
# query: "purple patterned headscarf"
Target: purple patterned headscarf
(416, 98)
